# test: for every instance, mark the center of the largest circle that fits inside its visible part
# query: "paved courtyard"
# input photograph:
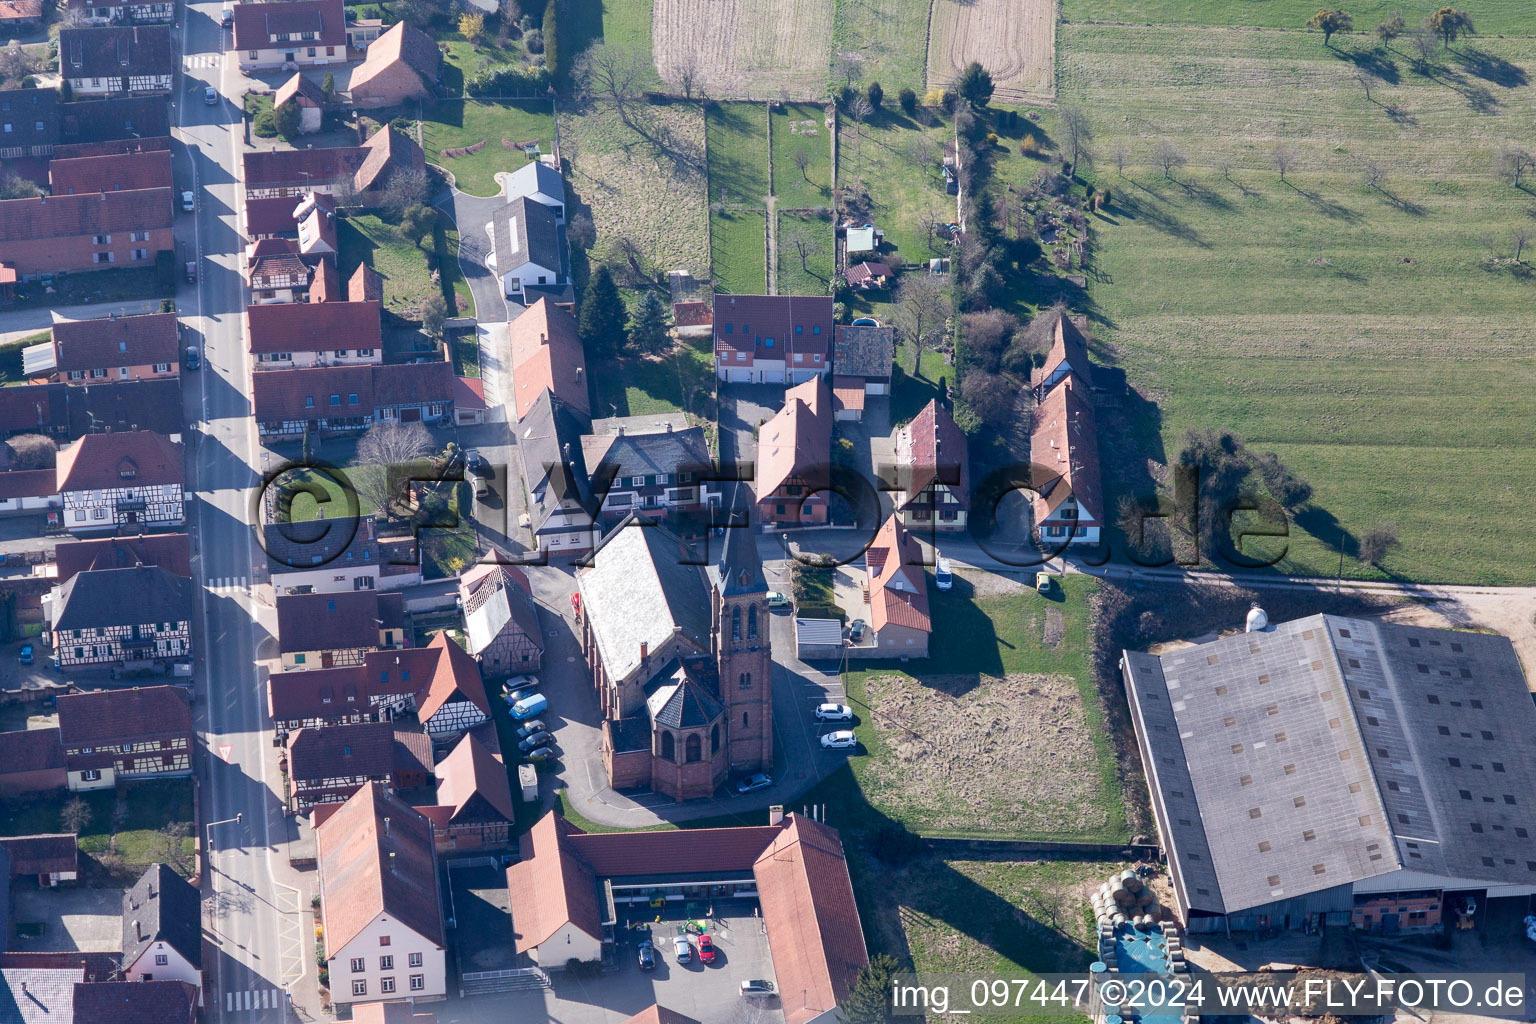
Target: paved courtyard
(73, 920)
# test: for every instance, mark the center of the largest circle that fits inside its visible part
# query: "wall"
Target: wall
(77, 784)
(50, 255)
(629, 770)
(568, 943)
(403, 942)
(176, 967)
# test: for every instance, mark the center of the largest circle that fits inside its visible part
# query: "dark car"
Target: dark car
(193, 358)
(528, 728)
(646, 954)
(513, 696)
(534, 742)
(541, 754)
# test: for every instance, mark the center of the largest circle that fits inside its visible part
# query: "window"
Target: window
(90, 774)
(357, 965)
(309, 401)
(383, 940)
(162, 367)
(385, 984)
(415, 959)
(743, 719)
(668, 747)
(138, 254)
(351, 399)
(335, 399)
(101, 239)
(752, 622)
(359, 988)
(386, 963)
(161, 960)
(735, 623)
(693, 749)
(312, 51)
(418, 983)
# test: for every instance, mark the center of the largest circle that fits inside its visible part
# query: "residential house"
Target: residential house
(316, 218)
(48, 235)
(163, 929)
(309, 97)
(117, 60)
(862, 356)
(547, 355)
(402, 64)
(899, 620)
(170, 551)
(106, 481)
(17, 16)
(322, 399)
(1068, 505)
(337, 555)
(386, 153)
(31, 761)
(794, 453)
(117, 616)
(295, 34)
(473, 807)
(28, 122)
(560, 515)
(931, 477)
(329, 765)
(280, 173)
(130, 120)
(540, 182)
(362, 32)
(1067, 356)
(501, 620)
(772, 339)
(653, 469)
(469, 405)
(68, 411)
(454, 700)
(380, 913)
(276, 272)
(869, 276)
(796, 867)
(412, 392)
(140, 733)
(386, 685)
(527, 249)
(693, 319)
(46, 859)
(114, 348)
(285, 335)
(137, 1002)
(120, 12)
(114, 172)
(271, 217)
(330, 630)
(42, 982)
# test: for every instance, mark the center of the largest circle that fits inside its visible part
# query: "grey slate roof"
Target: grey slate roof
(122, 597)
(667, 451)
(162, 907)
(863, 351)
(683, 703)
(549, 446)
(739, 568)
(536, 176)
(1349, 749)
(49, 994)
(525, 231)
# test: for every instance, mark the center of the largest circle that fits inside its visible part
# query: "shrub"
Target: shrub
(533, 41)
(1028, 146)
(507, 81)
(933, 98)
(908, 100)
(991, 138)
(265, 125)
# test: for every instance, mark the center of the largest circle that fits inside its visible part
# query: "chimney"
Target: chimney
(621, 430)
(645, 650)
(138, 933)
(386, 827)
(775, 814)
(669, 426)
(391, 861)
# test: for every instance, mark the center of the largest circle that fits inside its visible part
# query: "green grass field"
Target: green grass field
(882, 157)
(1492, 17)
(791, 135)
(458, 124)
(738, 152)
(403, 266)
(636, 387)
(149, 807)
(739, 244)
(816, 274)
(1361, 333)
(888, 39)
(622, 23)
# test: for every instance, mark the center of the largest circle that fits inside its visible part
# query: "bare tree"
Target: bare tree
(16, 64)
(32, 451)
(802, 160)
(1282, 158)
(344, 191)
(687, 71)
(406, 188)
(848, 68)
(581, 232)
(1121, 156)
(1425, 47)
(928, 220)
(174, 836)
(804, 246)
(862, 110)
(922, 308)
(1224, 165)
(1169, 157)
(75, 815)
(1376, 541)
(920, 151)
(1520, 237)
(1367, 78)
(1513, 163)
(1375, 174)
(385, 450)
(1074, 124)
(611, 73)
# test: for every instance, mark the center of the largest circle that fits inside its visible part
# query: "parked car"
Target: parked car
(707, 951)
(842, 739)
(541, 754)
(27, 654)
(229, 16)
(193, 358)
(681, 949)
(519, 682)
(1042, 582)
(211, 96)
(534, 742)
(777, 600)
(530, 706)
(188, 202)
(513, 696)
(942, 577)
(530, 727)
(755, 781)
(482, 490)
(834, 713)
(757, 987)
(477, 463)
(191, 272)
(646, 955)
(856, 630)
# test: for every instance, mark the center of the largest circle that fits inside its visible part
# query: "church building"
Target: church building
(680, 656)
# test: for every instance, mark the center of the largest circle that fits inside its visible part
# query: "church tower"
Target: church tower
(743, 650)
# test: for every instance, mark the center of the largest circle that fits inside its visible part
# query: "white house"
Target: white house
(163, 929)
(337, 555)
(132, 478)
(299, 33)
(541, 183)
(527, 247)
(379, 907)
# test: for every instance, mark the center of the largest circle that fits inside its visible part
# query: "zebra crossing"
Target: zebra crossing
(230, 584)
(254, 999)
(203, 60)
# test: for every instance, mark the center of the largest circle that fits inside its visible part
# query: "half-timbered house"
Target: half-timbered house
(474, 800)
(500, 619)
(130, 478)
(454, 701)
(331, 630)
(120, 616)
(140, 733)
(328, 765)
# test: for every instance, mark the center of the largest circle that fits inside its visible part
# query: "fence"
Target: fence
(1040, 850)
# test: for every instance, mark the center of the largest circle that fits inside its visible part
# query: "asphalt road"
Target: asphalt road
(254, 922)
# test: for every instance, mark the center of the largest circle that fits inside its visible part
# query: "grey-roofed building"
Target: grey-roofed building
(39, 995)
(1307, 771)
(501, 622)
(654, 472)
(540, 182)
(549, 447)
(104, 616)
(527, 247)
(162, 929)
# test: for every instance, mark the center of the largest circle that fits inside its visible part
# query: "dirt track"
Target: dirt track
(1015, 40)
(745, 49)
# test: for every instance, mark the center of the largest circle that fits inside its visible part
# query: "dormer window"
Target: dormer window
(127, 469)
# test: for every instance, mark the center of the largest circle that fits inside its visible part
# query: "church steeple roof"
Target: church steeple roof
(738, 569)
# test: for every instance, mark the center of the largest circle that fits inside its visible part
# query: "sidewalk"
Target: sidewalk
(19, 323)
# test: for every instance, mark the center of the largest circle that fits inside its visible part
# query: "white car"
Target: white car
(942, 577)
(834, 713)
(188, 202)
(681, 949)
(842, 739)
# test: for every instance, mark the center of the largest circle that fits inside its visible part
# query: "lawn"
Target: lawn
(622, 23)
(317, 495)
(10, 357)
(882, 157)
(1325, 320)
(739, 250)
(738, 152)
(681, 379)
(135, 837)
(889, 41)
(813, 275)
(405, 268)
(500, 124)
(909, 392)
(813, 593)
(448, 551)
(796, 128)
(1492, 17)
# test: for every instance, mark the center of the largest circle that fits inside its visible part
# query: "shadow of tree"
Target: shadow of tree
(1492, 68)
(1154, 211)
(1375, 62)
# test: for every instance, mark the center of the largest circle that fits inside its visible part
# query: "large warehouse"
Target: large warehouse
(1333, 770)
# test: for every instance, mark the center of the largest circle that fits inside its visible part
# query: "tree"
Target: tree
(328, 87)
(472, 26)
(1169, 157)
(802, 159)
(15, 63)
(1450, 24)
(612, 73)
(975, 85)
(869, 998)
(388, 444)
(687, 70)
(875, 94)
(417, 12)
(406, 188)
(1282, 158)
(14, 186)
(66, 91)
(1520, 237)
(1224, 167)
(344, 191)
(989, 396)
(581, 232)
(1367, 78)
(922, 307)
(434, 312)
(173, 836)
(1074, 125)
(648, 327)
(920, 151)
(1120, 155)
(804, 246)
(848, 68)
(1375, 174)
(417, 223)
(551, 47)
(75, 815)
(1391, 29)
(1376, 541)
(1330, 21)
(287, 118)
(32, 451)
(908, 101)
(1423, 42)
(862, 110)
(602, 315)
(1513, 163)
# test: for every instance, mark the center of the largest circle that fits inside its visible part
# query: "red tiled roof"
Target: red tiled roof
(933, 449)
(28, 483)
(454, 672)
(401, 44)
(313, 327)
(97, 213)
(547, 355)
(30, 750)
(385, 151)
(359, 880)
(898, 586)
(658, 1014)
(413, 384)
(325, 287)
(271, 216)
(257, 23)
(74, 176)
(811, 918)
(847, 392)
(19, 10)
(115, 716)
(797, 442)
(116, 341)
(170, 551)
(365, 284)
(469, 393)
(616, 854)
(1069, 351)
(473, 770)
(41, 855)
(551, 887)
(332, 622)
(272, 168)
(390, 1013)
(867, 272)
(100, 461)
(305, 394)
(1064, 451)
(794, 323)
(301, 89)
(366, 749)
(692, 314)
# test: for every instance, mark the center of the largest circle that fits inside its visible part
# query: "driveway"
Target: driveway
(471, 214)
